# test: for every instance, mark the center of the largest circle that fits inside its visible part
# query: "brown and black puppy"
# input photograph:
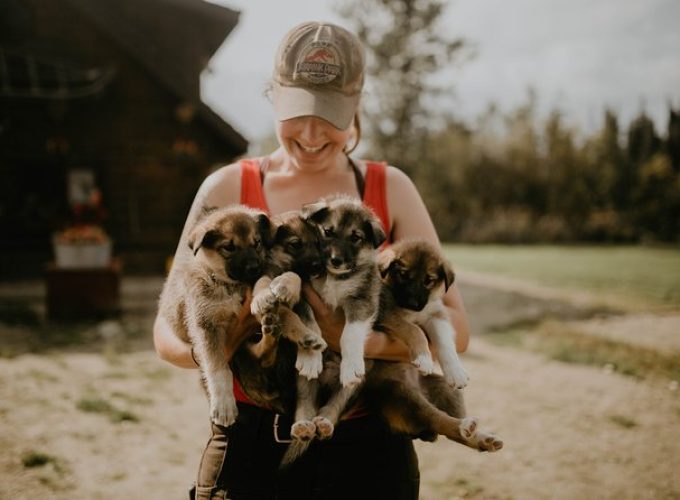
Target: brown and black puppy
(291, 344)
(204, 293)
(415, 278)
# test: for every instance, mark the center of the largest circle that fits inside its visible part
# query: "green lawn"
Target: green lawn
(648, 274)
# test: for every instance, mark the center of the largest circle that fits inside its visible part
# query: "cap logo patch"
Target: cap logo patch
(318, 63)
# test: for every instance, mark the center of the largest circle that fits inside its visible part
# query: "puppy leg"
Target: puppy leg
(286, 288)
(352, 366)
(303, 428)
(264, 306)
(442, 335)
(329, 414)
(415, 340)
(209, 348)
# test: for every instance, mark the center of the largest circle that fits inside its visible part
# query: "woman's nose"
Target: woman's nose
(310, 129)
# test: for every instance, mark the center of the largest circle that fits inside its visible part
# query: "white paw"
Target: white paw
(303, 430)
(456, 376)
(224, 412)
(324, 427)
(313, 341)
(309, 363)
(262, 303)
(488, 442)
(286, 288)
(468, 429)
(424, 363)
(351, 370)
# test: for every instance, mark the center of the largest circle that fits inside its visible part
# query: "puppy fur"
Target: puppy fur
(291, 338)
(204, 293)
(415, 278)
(410, 398)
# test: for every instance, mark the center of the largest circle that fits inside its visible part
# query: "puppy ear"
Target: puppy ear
(201, 238)
(315, 212)
(282, 231)
(447, 273)
(267, 229)
(375, 232)
(385, 260)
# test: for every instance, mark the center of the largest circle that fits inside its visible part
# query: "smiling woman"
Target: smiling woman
(316, 89)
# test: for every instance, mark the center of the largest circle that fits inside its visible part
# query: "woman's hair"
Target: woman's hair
(356, 132)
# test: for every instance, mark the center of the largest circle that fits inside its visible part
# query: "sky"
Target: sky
(579, 56)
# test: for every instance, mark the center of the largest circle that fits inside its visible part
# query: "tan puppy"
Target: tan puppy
(204, 293)
(415, 278)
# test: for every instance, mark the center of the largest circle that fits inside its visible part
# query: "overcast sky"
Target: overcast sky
(579, 56)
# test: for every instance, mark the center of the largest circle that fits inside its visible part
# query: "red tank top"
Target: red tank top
(252, 195)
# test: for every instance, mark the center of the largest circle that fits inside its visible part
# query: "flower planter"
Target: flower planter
(82, 255)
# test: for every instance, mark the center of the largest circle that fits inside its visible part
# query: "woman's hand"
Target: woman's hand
(244, 326)
(331, 322)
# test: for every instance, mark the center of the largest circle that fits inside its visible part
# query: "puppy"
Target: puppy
(295, 256)
(423, 405)
(415, 278)
(291, 345)
(351, 234)
(203, 294)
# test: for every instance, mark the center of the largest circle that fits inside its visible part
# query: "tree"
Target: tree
(405, 50)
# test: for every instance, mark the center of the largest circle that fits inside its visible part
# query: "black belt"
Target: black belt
(280, 422)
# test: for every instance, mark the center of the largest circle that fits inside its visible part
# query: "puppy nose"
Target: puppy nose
(252, 268)
(336, 261)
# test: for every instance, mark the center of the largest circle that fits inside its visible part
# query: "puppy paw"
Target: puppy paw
(456, 376)
(270, 324)
(351, 370)
(223, 414)
(313, 341)
(309, 363)
(468, 428)
(488, 442)
(324, 427)
(304, 430)
(264, 302)
(424, 363)
(286, 288)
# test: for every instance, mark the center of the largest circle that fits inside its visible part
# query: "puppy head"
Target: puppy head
(234, 241)
(350, 232)
(415, 272)
(297, 246)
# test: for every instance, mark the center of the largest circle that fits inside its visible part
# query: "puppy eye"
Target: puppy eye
(355, 238)
(295, 244)
(328, 232)
(403, 274)
(429, 281)
(228, 247)
(257, 242)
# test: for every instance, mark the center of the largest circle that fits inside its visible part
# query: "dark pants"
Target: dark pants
(362, 460)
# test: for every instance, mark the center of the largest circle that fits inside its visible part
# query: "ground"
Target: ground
(104, 418)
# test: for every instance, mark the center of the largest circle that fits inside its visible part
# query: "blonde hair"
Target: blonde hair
(355, 133)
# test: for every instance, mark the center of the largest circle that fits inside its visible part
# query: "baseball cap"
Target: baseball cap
(318, 71)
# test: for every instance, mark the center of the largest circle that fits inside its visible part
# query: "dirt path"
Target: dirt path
(127, 426)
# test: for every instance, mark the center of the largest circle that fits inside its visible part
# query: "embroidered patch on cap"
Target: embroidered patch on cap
(318, 63)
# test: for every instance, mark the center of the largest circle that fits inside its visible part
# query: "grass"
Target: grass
(634, 273)
(567, 344)
(98, 405)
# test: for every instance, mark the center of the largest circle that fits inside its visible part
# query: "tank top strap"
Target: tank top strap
(375, 192)
(251, 185)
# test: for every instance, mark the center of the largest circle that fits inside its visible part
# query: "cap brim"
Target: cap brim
(334, 107)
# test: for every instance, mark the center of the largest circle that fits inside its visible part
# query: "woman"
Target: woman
(318, 77)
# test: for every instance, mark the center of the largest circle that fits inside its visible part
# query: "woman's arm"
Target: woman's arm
(410, 219)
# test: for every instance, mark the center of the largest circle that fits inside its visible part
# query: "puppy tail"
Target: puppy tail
(295, 450)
